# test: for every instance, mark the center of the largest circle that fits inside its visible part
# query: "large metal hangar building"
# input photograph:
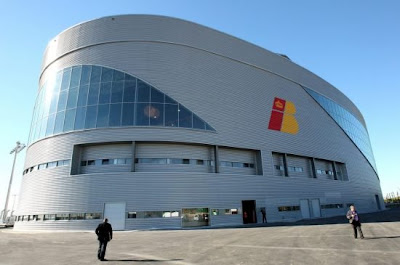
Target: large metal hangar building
(157, 122)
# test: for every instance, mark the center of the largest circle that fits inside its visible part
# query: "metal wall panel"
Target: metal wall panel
(171, 150)
(304, 163)
(106, 151)
(237, 155)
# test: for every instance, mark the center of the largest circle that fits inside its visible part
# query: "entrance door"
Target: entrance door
(115, 212)
(316, 208)
(305, 209)
(378, 202)
(249, 212)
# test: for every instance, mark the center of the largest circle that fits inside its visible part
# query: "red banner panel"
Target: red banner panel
(275, 123)
(279, 104)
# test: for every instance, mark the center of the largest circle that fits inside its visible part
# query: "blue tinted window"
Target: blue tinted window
(50, 124)
(72, 97)
(80, 118)
(156, 114)
(105, 93)
(208, 127)
(171, 115)
(33, 131)
(156, 96)
(103, 113)
(117, 91)
(62, 100)
(83, 95)
(128, 114)
(69, 120)
(185, 117)
(90, 119)
(57, 83)
(129, 77)
(348, 122)
(69, 100)
(59, 123)
(65, 79)
(43, 125)
(95, 74)
(106, 74)
(142, 114)
(198, 123)
(143, 91)
(170, 100)
(54, 102)
(85, 77)
(93, 98)
(129, 91)
(115, 115)
(46, 102)
(118, 76)
(75, 76)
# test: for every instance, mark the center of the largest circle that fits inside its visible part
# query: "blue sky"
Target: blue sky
(354, 45)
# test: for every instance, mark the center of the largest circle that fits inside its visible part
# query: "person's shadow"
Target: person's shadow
(142, 260)
(381, 237)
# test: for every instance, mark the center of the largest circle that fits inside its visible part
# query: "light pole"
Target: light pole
(12, 208)
(18, 148)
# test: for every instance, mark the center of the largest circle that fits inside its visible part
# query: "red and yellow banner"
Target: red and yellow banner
(282, 117)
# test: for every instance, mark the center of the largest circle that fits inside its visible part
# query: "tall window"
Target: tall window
(87, 96)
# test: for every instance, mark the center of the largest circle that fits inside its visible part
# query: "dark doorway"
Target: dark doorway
(378, 201)
(249, 212)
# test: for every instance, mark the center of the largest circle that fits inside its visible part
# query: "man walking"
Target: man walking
(264, 215)
(104, 234)
(354, 220)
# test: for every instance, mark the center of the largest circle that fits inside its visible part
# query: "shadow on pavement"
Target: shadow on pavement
(142, 260)
(381, 237)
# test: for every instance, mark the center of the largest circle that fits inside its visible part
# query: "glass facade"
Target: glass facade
(87, 96)
(349, 123)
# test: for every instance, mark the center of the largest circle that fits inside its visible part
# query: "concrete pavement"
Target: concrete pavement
(298, 244)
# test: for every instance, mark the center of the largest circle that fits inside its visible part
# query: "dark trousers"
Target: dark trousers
(102, 249)
(264, 218)
(357, 226)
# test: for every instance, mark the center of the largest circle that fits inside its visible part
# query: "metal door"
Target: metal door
(305, 209)
(115, 212)
(316, 208)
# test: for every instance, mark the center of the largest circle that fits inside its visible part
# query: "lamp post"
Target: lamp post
(18, 148)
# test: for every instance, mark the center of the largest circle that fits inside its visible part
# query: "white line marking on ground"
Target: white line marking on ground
(151, 257)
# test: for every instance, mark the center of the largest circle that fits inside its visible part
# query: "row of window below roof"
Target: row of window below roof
(128, 161)
(59, 163)
(324, 172)
(322, 206)
(300, 169)
(62, 216)
(129, 215)
(290, 168)
(164, 161)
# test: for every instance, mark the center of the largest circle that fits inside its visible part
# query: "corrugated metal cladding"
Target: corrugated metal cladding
(230, 84)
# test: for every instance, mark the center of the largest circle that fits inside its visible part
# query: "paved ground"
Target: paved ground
(296, 244)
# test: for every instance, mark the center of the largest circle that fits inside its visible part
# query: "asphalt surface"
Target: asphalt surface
(299, 243)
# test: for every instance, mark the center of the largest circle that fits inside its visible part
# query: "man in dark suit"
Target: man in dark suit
(354, 220)
(104, 234)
